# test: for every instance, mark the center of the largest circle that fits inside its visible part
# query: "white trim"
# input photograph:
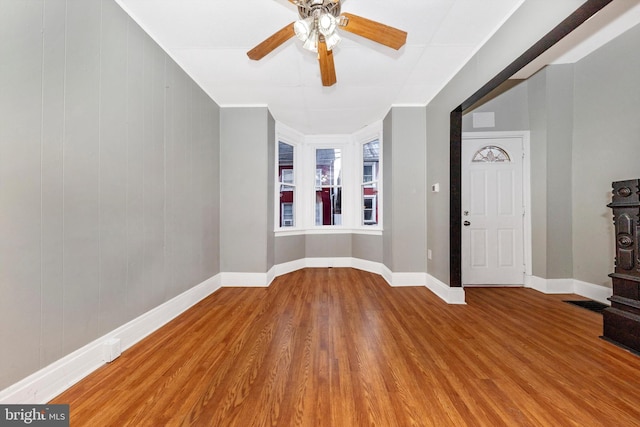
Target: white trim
(50, 381)
(569, 286)
(399, 280)
(440, 289)
(445, 292)
(595, 292)
(365, 265)
(549, 286)
(288, 267)
(387, 274)
(372, 230)
(245, 280)
(271, 274)
(328, 262)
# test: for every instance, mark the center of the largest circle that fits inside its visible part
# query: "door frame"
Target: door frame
(525, 135)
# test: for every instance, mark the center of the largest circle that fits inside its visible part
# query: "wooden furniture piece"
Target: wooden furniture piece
(622, 319)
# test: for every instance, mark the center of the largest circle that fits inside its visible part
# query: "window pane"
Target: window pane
(369, 205)
(328, 167)
(370, 161)
(285, 176)
(369, 193)
(367, 173)
(285, 162)
(329, 206)
(286, 206)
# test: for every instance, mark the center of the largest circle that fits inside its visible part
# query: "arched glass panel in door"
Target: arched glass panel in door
(491, 154)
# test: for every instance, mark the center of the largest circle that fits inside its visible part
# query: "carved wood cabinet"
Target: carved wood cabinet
(622, 319)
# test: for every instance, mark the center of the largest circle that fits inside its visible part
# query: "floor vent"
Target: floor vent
(591, 305)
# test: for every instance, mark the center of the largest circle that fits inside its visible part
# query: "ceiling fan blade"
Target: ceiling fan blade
(327, 68)
(271, 43)
(372, 30)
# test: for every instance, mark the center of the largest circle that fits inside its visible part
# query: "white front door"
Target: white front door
(492, 211)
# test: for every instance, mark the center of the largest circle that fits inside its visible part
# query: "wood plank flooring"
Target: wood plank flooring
(339, 347)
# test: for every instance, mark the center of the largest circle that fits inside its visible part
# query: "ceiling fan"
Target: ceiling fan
(317, 28)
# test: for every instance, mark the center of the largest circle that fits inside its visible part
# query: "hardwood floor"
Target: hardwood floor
(339, 347)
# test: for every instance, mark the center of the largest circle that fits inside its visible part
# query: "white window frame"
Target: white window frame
(374, 206)
(364, 137)
(293, 139)
(304, 207)
(312, 144)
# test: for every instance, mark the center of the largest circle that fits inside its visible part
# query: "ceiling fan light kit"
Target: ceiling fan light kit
(318, 27)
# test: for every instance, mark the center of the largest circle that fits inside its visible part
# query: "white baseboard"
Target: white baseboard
(387, 275)
(408, 279)
(595, 292)
(569, 286)
(244, 280)
(289, 267)
(299, 264)
(328, 262)
(549, 286)
(50, 381)
(369, 266)
(445, 292)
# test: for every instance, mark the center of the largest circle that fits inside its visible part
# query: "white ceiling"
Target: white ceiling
(209, 40)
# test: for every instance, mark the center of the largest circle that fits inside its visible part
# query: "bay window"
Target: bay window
(329, 184)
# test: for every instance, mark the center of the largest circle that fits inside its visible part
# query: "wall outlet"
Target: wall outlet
(429, 254)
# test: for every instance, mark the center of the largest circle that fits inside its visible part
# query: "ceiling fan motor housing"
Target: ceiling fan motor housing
(315, 8)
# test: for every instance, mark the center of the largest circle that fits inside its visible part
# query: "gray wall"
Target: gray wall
(328, 246)
(361, 246)
(606, 148)
(367, 247)
(510, 110)
(527, 25)
(246, 170)
(551, 104)
(108, 178)
(289, 248)
(405, 246)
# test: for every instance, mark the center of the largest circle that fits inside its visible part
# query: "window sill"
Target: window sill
(377, 231)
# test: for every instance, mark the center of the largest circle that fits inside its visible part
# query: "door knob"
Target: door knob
(466, 223)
